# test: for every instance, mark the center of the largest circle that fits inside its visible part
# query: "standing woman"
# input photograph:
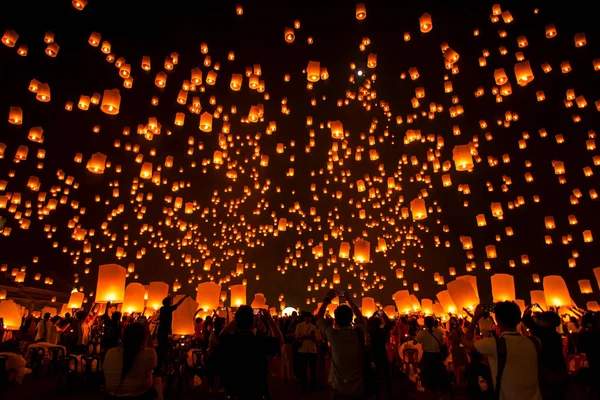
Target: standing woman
(459, 353)
(434, 376)
(128, 369)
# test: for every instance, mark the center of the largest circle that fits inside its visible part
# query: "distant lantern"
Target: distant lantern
(15, 115)
(206, 122)
(500, 76)
(238, 295)
(288, 35)
(418, 209)
(580, 40)
(236, 82)
(75, 300)
(368, 306)
(111, 101)
(425, 23)
(361, 11)
(503, 287)
(345, 250)
(43, 92)
(94, 39)
(52, 49)
(556, 292)
(161, 79)
(523, 73)
(79, 5)
(362, 251)
(463, 160)
(337, 130)
(490, 251)
(550, 31)
(372, 60)
(97, 163)
(10, 38)
(111, 283)
(313, 71)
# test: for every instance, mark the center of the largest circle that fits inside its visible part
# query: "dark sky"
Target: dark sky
(137, 29)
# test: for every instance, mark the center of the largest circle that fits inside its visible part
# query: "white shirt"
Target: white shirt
(520, 375)
(308, 345)
(430, 343)
(43, 330)
(138, 381)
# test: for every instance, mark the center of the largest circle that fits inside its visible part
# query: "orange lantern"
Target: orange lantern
(418, 209)
(238, 295)
(446, 302)
(362, 251)
(462, 294)
(361, 11)
(585, 286)
(207, 296)
(368, 306)
(556, 291)
(157, 292)
(425, 23)
(134, 298)
(183, 316)
(111, 283)
(111, 101)
(75, 300)
(503, 287)
(15, 115)
(313, 71)
(97, 163)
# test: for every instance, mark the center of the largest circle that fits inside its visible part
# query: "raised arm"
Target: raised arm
(326, 301)
(469, 339)
(355, 310)
(181, 301)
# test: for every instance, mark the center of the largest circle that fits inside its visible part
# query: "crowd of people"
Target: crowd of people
(494, 352)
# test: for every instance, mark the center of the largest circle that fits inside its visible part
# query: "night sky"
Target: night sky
(231, 235)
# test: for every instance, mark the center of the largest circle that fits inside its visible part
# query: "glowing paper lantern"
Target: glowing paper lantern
(425, 23)
(361, 11)
(183, 316)
(538, 297)
(337, 130)
(15, 115)
(362, 251)
(111, 283)
(75, 300)
(313, 71)
(207, 296)
(134, 298)
(463, 160)
(238, 295)
(111, 101)
(585, 286)
(556, 291)
(404, 304)
(10, 312)
(427, 306)
(157, 292)
(592, 306)
(368, 306)
(472, 281)
(523, 73)
(418, 209)
(259, 301)
(503, 287)
(462, 294)
(446, 302)
(97, 163)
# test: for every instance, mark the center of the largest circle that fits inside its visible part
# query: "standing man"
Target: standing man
(306, 332)
(164, 327)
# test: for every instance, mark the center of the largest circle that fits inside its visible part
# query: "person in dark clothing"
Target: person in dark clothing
(589, 340)
(478, 378)
(246, 354)
(379, 327)
(164, 327)
(553, 373)
(112, 329)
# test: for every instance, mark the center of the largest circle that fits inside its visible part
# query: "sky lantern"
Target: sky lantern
(462, 294)
(425, 23)
(10, 38)
(75, 300)
(345, 251)
(556, 292)
(206, 122)
(585, 286)
(161, 79)
(361, 11)
(368, 306)
(238, 295)
(43, 92)
(183, 316)
(10, 312)
(15, 115)
(146, 170)
(337, 130)
(111, 283)
(96, 163)
(503, 287)
(313, 71)
(538, 297)
(418, 209)
(207, 296)
(446, 302)
(472, 281)
(134, 298)
(236, 82)
(111, 101)
(462, 158)
(259, 301)
(362, 251)
(288, 35)
(523, 73)
(157, 292)
(490, 251)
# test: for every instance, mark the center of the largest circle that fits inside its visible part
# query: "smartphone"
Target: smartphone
(489, 308)
(340, 293)
(256, 311)
(379, 312)
(223, 308)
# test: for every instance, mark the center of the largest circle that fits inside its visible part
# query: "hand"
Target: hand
(478, 313)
